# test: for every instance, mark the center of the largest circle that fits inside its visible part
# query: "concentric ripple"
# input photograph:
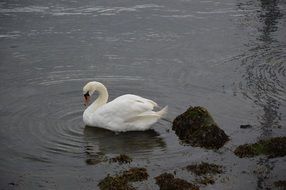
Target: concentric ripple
(225, 55)
(264, 74)
(44, 127)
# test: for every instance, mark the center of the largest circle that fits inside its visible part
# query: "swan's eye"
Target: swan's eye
(86, 95)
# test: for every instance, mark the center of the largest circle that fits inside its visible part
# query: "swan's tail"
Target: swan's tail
(163, 112)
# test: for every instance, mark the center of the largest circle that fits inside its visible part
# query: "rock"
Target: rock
(197, 128)
(205, 180)
(281, 184)
(205, 171)
(205, 168)
(136, 174)
(115, 183)
(121, 159)
(92, 161)
(167, 181)
(121, 182)
(12, 184)
(245, 126)
(274, 147)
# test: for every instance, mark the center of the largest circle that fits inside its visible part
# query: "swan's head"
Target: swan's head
(89, 89)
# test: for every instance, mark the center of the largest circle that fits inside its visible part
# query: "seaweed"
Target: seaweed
(167, 181)
(197, 128)
(274, 147)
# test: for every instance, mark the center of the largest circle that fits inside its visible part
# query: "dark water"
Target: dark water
(226, 55)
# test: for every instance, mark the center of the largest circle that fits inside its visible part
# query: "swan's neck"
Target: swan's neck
(102, 98)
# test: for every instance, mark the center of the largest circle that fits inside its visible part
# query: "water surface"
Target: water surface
(226, 55)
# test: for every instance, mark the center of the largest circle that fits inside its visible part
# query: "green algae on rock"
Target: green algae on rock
(121, 159)
(205, 168)
(197, 128)
(274, 147)
(121, 182)
(167, 181)
(115, 183)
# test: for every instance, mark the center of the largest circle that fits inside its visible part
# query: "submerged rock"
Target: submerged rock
(121, 182)
(136, 174)
(205, 168)
(280, 184)
(205, 171)
(274, 147)
(245, 126)
(115, 183)
(121, 159)
(205, 180)
(92, 161)
(167, 181)
(197, 127)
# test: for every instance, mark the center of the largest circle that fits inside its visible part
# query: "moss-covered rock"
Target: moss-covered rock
(205, 168)
(197, 127)
(167, 181)
(274, 147)
(136, 174)
(115, 183)
(122, 182)
(121, 159)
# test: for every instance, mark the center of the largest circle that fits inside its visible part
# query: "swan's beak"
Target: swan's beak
(86, 99)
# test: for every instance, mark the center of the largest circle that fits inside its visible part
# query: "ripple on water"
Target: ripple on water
(83, 10)
(44, 128)
(264, 73)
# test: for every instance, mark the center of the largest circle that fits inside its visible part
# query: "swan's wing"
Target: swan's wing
(128, 112)
(137, 99)
(126, 107)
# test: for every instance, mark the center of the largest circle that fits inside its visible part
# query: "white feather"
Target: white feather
(125, 113)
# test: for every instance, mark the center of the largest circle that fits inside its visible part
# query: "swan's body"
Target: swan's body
(125, 113)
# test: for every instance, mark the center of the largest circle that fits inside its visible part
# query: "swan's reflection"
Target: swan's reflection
(101, 142)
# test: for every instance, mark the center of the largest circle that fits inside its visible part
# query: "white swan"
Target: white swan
(125, 113)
